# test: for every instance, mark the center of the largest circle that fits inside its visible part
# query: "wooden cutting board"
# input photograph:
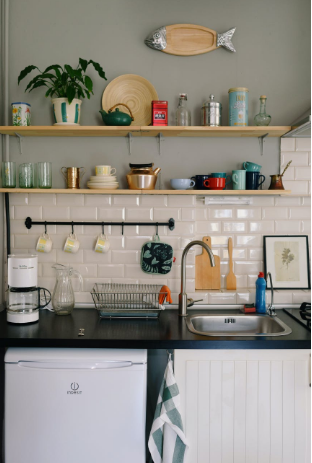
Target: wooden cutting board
(207, 277)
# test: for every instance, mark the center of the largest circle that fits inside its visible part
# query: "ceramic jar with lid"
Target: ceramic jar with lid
(211, 113)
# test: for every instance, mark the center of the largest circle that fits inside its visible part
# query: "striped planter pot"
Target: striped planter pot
(65, 113)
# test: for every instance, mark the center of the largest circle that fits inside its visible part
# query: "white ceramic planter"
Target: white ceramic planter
(65, 113)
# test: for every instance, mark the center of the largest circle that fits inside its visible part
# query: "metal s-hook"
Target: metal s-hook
(122, 228)
(103, 228)
(45, 228)
(156, 228)
(73, 228)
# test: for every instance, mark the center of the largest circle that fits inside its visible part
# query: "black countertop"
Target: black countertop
(168, 332)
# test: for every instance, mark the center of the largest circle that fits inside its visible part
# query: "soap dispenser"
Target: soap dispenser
(260, 294)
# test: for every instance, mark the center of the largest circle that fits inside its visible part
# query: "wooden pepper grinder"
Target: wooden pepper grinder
(276, 180)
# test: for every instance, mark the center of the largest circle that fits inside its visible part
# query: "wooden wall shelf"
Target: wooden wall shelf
(149, 192)
(137, 131)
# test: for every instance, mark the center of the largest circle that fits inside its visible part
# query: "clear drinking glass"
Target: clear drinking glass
(183, 114)
(8, 174)
(44, 172)
(26, 175)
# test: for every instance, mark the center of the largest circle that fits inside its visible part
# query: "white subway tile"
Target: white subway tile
(139, 214)
(183, 228)
(86, 270)
(92, 257)
(121, 200)
(237, 253)
(262, 201)
(47, 283)
(255, 253)
(70, 200)
(87, 242)
(234, 227)
(58, 241)
(154, 281)
(241, 281)
(188, 214)
(251, 281)
(25, 241)
(274, 213)
(135, 271)
(117, 242)
(298, 159)
(201, 214)
(297, 188)
(214, 213)
(19, 199)
(190, 257)
(131, 230)
(111, 271)
(247, 268)
(208, 227)
(299, 296)
(69, 258)
(64, 230)
(55, 213)
(280, 297)
(42, 199)
(303, 144)
(153, 200)
(248, 240)
(175, 285)
(46, 257)
(265, 226)
(83, 298)
(126, 281)
(287, 226)
(163, 214)
(113, 213)
(300, 213)
(220, 240)
(224, 297)
(305, 226)
(309, 155)
(126, 257)
(306, 201)
(144, 230)
(135, 243)
(21, 212)
(288, 144)
(97, 200)
(243, 297)
(286, 201)
(83, 213)
(198, 294)
(88, 283)
(181, 201)
(302, 173)
(289, 174)
(249, 213)
(18, 227)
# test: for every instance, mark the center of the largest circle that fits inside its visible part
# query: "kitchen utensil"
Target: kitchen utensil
(105, 170)
(71, 244)
(21, 113)
(142, 176)
(8, 171)
(215, 183)
(134, 91)
(159, 113)
(211, 113)
(117, 117)
(253, 180)
(44, 243)
(44, 174)
(188, 39)
(207, 277)
(102, 244)
(181, 183)
(251, 167)
(26, 175)
(156, 257)
(239, 179)
(277, 181)
(199, 181)
(63, 299)
(238, 106)
(73, 175)
(231, 278)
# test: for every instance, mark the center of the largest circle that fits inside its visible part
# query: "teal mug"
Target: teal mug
(239, 179)
(222, 175)
(251, 167)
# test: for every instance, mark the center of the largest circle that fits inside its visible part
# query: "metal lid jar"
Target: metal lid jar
(211, 113)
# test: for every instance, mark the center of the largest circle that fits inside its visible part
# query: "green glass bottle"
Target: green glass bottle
(262, 118)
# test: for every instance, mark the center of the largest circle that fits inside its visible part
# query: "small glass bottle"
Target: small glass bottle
(262, 118)
(183, 115)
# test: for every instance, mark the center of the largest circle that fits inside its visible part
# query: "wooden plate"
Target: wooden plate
(134, 91)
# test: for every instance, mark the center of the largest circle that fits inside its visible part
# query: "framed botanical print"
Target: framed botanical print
(287, 258)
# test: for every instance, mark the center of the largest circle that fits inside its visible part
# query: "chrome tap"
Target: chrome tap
(184, 302)
(271, 308)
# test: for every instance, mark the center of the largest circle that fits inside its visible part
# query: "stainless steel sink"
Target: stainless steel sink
(236, 325)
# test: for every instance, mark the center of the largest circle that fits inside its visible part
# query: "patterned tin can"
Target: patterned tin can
(159, 112)
(238, 106)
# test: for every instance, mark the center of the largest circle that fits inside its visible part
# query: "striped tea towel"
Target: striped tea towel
(167, 441)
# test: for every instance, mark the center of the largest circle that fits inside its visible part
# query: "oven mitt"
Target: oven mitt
(156, 257)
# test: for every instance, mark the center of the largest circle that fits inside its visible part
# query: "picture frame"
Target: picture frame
(286, 257)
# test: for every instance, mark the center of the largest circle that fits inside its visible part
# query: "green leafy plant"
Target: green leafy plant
(287, 257)
(63, 82)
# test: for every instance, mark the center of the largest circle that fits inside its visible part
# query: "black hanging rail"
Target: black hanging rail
(171, 223)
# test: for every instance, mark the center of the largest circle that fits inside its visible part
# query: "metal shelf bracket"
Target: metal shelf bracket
(161, 138)
(261, 141)
(130, 142)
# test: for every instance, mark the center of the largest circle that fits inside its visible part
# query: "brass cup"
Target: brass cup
(72, 176)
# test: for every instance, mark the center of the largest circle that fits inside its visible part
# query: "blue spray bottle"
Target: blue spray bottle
(260, 293)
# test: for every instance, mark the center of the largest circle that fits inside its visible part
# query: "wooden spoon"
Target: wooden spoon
(231, 278)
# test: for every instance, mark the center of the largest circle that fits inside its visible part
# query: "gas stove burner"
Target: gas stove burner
(305, 312)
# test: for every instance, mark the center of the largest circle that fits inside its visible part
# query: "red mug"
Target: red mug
(215, 183)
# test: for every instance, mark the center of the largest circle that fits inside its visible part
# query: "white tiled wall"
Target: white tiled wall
(245, 224)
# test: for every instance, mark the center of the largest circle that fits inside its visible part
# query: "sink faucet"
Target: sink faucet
(271, 308)
(184, 302)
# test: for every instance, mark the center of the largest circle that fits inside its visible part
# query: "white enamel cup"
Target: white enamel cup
(44, 243)
(71, 244)
(104, 170)
(102, 244)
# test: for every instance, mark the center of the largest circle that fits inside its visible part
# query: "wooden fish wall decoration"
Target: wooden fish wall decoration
(189, 39)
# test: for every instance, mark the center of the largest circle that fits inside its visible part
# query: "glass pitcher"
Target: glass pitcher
(63, 299)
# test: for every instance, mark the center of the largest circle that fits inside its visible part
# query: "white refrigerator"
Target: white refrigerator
(75, 405)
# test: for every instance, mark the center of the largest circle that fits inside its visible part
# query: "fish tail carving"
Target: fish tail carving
(225, 40)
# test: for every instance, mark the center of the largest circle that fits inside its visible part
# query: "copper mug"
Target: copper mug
(72, 176)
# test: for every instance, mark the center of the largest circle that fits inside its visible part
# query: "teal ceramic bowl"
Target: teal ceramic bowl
(218, 175)
(251, 167)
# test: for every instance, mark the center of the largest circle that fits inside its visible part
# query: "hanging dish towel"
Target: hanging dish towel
(167, 441)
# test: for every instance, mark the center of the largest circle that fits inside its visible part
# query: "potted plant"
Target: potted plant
(67, 85)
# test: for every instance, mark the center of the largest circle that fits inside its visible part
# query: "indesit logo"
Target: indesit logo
(74, 389)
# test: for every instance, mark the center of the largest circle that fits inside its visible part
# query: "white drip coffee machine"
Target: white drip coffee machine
(24, 295)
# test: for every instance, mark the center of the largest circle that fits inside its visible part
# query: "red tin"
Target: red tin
(159, 112)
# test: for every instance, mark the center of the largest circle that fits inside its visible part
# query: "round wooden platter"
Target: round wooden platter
(134, 91)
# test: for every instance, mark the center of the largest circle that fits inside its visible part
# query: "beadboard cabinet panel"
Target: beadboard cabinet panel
(244, 406)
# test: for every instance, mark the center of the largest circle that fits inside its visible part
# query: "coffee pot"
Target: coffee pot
(142, 176)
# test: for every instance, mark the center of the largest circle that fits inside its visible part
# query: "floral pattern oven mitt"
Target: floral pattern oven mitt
(156, 257)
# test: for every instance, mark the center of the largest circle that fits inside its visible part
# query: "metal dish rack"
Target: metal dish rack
(127, 301)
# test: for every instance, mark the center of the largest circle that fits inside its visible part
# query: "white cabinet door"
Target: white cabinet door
(245, 406)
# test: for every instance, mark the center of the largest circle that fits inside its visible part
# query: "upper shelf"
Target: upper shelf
(137, 131)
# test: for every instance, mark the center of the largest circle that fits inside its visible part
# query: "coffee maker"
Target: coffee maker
(24, 295)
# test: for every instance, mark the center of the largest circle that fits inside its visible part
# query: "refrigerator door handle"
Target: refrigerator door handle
(70, 365)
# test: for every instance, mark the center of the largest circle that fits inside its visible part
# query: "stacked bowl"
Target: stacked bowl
(104, 179)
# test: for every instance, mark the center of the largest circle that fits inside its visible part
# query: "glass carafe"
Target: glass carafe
(63, 299)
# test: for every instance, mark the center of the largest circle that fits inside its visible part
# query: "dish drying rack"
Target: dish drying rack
(127, 301)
